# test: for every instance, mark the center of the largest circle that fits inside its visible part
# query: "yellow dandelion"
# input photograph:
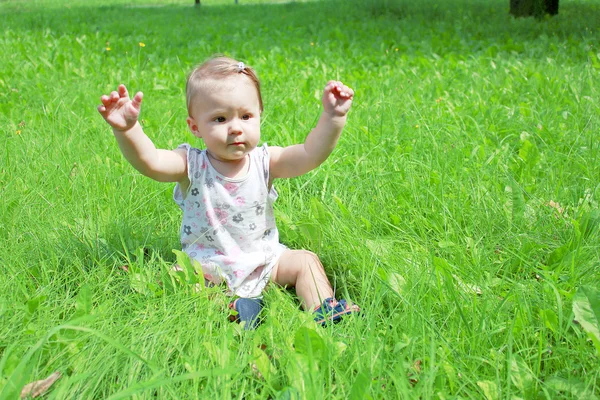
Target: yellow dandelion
(142, 44)
(108, 49)
(18, 132)
(312, 43)
(396, 49)
(416, 126)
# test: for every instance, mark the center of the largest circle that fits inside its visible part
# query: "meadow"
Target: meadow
(460, 208)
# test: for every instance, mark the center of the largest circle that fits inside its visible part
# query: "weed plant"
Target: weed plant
(460, 208)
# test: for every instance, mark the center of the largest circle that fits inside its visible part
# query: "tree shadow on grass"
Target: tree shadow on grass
(459, 26)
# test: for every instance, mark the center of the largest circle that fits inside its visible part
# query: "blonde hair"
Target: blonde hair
(216, 68)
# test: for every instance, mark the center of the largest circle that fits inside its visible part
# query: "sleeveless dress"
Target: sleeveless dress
(228, 224)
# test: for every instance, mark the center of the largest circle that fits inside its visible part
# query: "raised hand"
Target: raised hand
(337, 98)
(119, 110)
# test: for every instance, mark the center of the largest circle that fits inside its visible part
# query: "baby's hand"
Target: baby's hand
(119, 110)
(337, 98)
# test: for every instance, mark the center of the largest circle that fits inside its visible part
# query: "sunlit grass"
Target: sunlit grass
(460, 209)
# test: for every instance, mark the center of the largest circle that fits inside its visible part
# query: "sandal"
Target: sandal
(247, 312)
(332, 311)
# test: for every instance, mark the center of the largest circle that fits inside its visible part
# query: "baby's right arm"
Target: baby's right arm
(122, 113)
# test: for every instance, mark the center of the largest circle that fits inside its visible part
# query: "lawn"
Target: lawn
(460, 208)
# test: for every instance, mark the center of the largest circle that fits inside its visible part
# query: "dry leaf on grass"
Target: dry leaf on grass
(467, 287)
(413, 375)
(37, 388)
(556, 206)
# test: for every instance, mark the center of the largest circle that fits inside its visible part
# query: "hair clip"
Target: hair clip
(240, 67)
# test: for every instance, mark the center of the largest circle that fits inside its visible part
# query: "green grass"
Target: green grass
(434, 212)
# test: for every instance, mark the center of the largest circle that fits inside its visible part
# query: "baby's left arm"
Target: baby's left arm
(295, 160)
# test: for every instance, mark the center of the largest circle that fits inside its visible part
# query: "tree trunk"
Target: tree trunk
(533, 8)
(197, 2)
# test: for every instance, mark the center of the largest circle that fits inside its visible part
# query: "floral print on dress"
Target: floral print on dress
(216, 217)
(230, 187)
(224, 206)
(258, 208)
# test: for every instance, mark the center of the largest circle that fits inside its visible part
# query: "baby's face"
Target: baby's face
(226, 115)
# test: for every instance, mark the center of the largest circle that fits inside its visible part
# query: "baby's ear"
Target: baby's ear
(193, 126)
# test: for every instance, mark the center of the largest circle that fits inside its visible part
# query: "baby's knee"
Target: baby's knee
(309, 259)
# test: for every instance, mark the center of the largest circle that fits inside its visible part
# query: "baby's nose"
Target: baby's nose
(235, 128)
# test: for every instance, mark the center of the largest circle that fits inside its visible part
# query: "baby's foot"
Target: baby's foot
(332, 311)
(247, 312)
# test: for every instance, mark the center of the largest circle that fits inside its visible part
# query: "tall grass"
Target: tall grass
(460, 209)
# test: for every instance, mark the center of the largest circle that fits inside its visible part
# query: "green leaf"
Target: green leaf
(586, 307)
(588, 223)
(83, 303)
(577, 389)
(521, 375)
(342, 207)
(516, 202)
(397, 282)
(33, 304)
(559, 254)
(318, 211)
(288, 393)
(190, 269)
(441, 265)
(263, 364)
(337, 348)
(444, 244)
(550, 319)
(312, 231)
(489, 388)
(138, 283)
(529, 153)
(308, 342)
(361, 386)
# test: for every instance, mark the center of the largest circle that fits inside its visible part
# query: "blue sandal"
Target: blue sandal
(247, 312)
(332, 311)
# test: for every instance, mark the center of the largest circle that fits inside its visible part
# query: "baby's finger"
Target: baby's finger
(137, 99)
(343, 90)
(123, 91)
(114, 96)
(101, 109)
(330, 87)
(347, 92)
(340, 89)
(105, 100)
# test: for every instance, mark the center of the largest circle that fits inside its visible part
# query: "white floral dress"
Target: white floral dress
(228, 224)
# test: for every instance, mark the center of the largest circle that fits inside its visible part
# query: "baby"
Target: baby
(226, 191)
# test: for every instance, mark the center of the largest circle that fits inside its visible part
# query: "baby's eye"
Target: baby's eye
(246, 117)
(220, 119)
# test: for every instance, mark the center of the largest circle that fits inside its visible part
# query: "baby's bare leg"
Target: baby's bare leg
(303, 270)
